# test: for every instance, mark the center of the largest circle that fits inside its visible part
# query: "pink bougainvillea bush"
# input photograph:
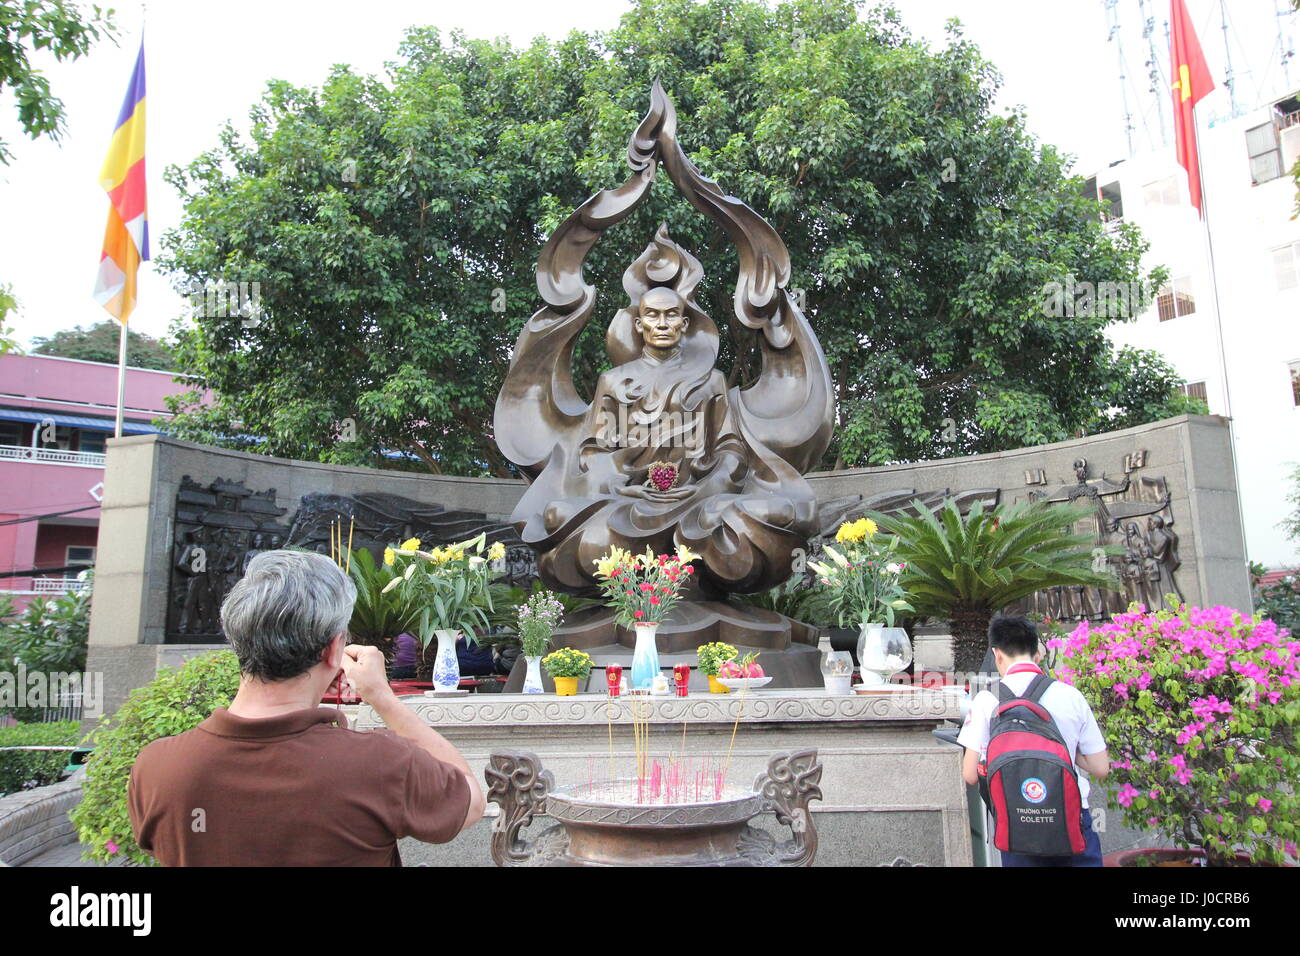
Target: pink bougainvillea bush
(1201, 712)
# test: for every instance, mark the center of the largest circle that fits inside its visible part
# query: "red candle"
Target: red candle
(682, 675)
(614, 677)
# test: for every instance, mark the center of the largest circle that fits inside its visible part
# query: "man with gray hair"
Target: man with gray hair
(277, 780)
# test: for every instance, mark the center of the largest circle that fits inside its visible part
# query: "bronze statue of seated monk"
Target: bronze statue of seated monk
(665, 454)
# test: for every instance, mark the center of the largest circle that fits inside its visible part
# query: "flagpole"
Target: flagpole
(121, 379)
(1218, 337)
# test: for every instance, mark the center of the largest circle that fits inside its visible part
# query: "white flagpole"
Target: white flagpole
(121, 379)
(1218, 336)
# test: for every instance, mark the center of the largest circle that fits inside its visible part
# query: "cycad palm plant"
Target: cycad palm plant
(379, 614)
(966, 569)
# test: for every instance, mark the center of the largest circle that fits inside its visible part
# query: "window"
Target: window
(1162, 192)
(11, 433)
(1176, 299)
(1286, 263)
(1265, 153)
(1196, 390)
(91, 441)
(1295, 382)
(1114, 202)
(77, 556)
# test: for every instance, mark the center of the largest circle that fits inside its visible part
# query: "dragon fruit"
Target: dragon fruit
(731, 669)
(750, 667)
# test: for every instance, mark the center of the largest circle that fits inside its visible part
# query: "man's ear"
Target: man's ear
(332, 655)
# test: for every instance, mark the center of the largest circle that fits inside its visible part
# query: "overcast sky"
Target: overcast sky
(208, 62)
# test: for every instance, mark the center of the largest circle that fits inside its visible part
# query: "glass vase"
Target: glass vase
(882, 653)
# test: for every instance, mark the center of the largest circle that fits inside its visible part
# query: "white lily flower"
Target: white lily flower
(390, 585)
(836, 556)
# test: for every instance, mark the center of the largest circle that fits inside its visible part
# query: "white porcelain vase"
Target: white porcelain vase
(446, 667)
(533, 677)
(882, 653)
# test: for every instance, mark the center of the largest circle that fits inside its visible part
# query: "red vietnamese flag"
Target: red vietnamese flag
(1190, 81)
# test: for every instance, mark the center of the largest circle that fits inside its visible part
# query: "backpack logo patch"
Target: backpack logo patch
(1034, 790)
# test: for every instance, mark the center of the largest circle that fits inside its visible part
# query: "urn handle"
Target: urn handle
(788, 786)
(519, 786)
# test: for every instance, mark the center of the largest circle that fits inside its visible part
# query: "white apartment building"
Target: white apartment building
(1250, 200)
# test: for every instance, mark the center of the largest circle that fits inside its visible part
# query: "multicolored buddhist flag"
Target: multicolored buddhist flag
(126, 238)
(1190, 81)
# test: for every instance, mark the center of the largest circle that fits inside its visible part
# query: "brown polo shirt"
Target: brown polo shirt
(295, 790)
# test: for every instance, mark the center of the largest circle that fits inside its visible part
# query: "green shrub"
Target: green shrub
(1280, 603)
(175, 701)
(49, 635)
(23, 769)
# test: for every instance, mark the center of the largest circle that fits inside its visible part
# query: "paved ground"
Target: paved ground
(472, 849)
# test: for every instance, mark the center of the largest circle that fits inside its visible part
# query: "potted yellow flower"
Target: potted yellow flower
(567, 666)
(711, 657)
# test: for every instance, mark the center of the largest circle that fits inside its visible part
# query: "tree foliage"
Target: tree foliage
(99, 343)
(393, 227)
(55, 26)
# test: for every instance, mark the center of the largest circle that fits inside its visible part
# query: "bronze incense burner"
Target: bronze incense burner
(596, 829)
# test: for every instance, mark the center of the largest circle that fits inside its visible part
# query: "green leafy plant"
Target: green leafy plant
(863, 582)
(967, 568)
(713, 656)
(447, 587)
(797, 600)
(1280, 602)
(49, 636)
(378, 615)
(1201, 712)
(23, 769)
(175, 701)
(567, 662)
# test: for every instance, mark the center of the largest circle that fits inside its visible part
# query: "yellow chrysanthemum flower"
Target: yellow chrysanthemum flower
(853, 531)
(389, 556)
(411, 544)
(496, 552)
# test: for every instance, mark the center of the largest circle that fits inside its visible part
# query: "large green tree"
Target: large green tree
(100, 342)
(392, 226)
(30, 27)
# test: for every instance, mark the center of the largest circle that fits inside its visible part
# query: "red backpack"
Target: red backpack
(1028, 778)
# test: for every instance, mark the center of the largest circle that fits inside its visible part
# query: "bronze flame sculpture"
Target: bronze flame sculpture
(738, 498)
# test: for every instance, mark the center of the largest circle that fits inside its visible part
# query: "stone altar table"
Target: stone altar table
(889, 788)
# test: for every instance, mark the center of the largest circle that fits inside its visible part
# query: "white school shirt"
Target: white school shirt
(1074, 718)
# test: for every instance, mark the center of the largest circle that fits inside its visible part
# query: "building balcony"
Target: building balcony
(56, 585)
(52, 456)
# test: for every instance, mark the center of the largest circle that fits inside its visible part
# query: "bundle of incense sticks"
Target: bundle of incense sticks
(338, 554)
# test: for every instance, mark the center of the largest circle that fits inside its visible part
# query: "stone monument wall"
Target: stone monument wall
(180, 521)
